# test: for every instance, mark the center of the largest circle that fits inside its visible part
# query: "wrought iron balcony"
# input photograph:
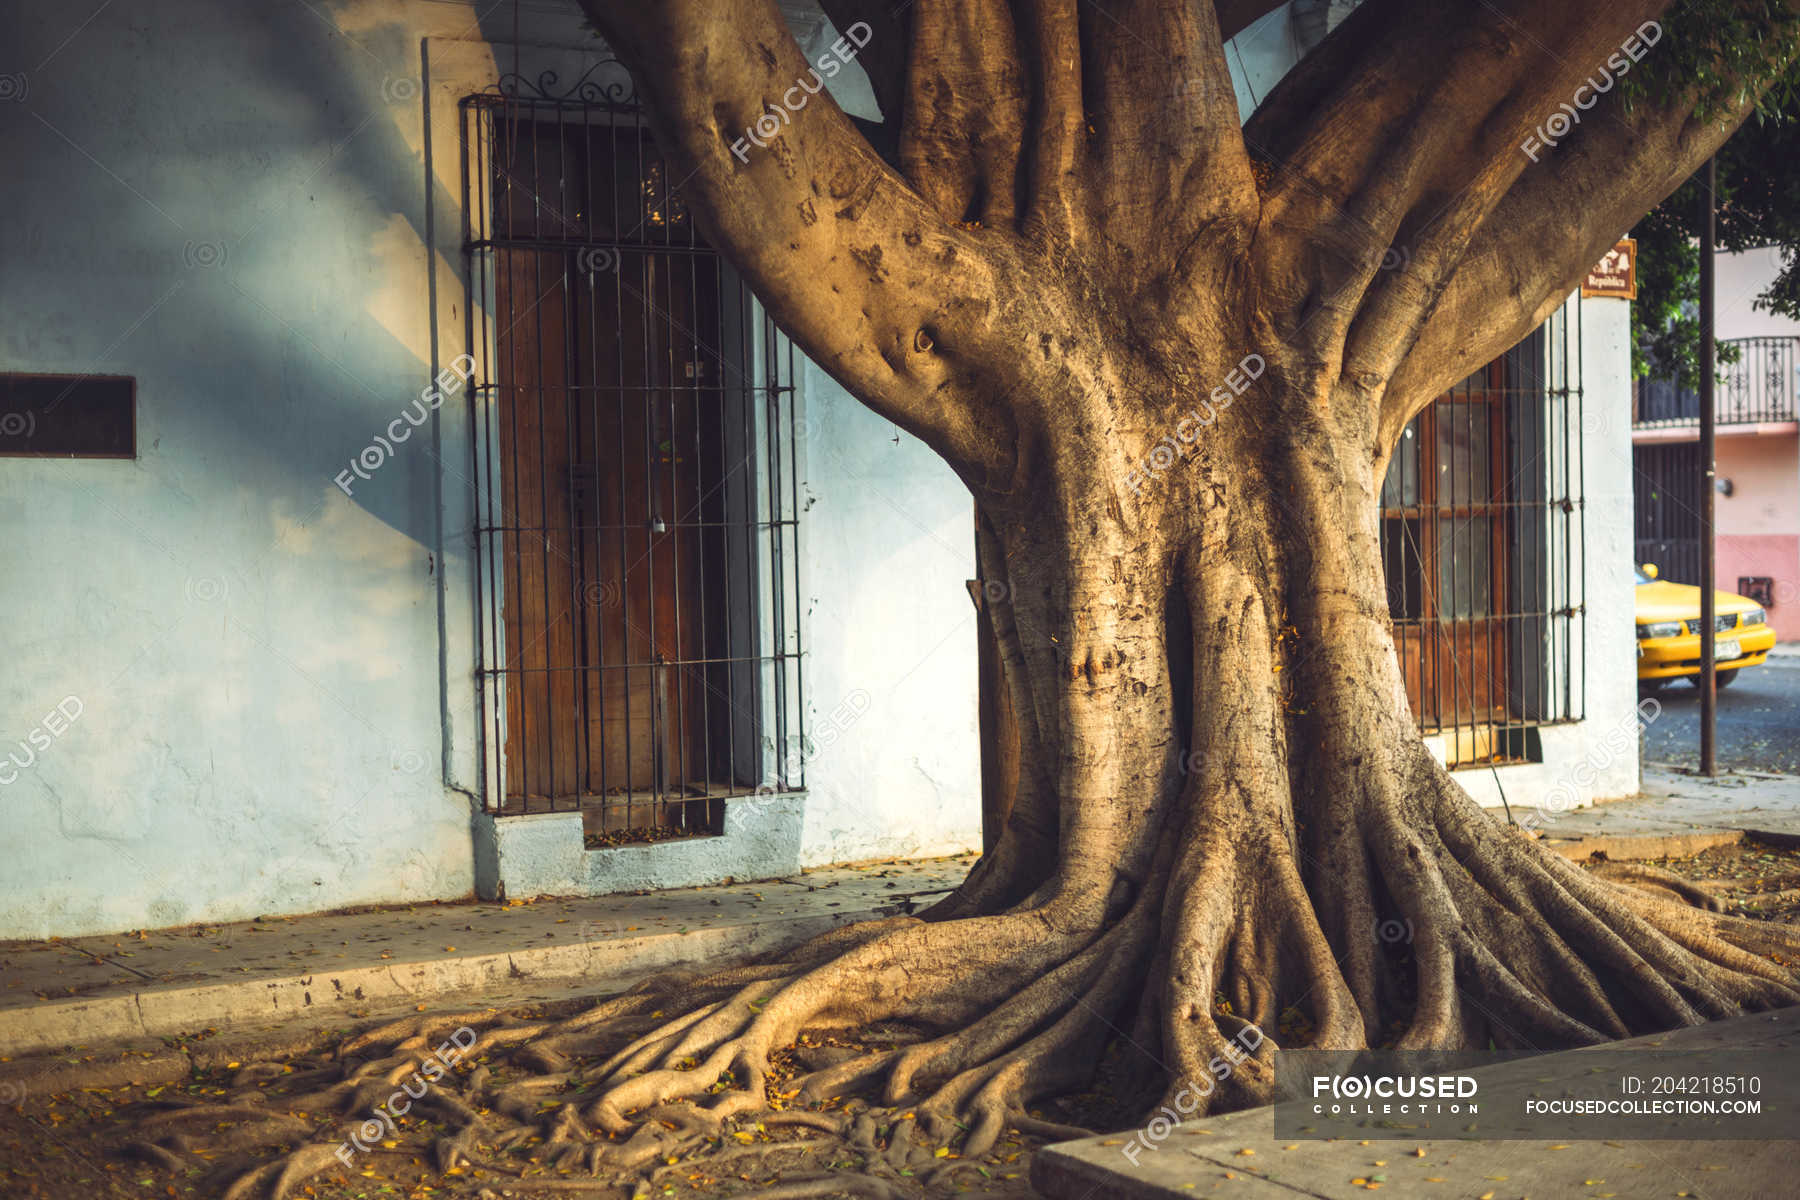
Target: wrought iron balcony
(1758, 388)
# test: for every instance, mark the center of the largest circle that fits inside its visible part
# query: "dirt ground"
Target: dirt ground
(73, 1145)
(1755, 879)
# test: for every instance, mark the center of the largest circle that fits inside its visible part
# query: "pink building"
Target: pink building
(1758, 455)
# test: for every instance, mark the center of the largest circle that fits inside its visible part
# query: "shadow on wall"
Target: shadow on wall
(229, 204)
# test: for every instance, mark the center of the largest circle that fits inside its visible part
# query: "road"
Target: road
(1759, 721)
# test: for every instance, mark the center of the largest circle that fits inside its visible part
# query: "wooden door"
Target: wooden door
(610, 451)
(649, 458)
(1446, 526)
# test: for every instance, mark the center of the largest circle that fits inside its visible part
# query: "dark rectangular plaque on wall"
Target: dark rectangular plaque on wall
(68, 416)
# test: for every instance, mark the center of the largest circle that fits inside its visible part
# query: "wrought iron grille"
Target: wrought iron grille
(1666, 502)
(1483, 542)
(1758, 379)
(635, 446)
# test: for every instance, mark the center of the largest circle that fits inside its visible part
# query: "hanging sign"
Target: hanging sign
(1615, 274)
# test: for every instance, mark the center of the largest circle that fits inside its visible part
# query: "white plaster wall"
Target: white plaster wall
(227, 202)
(265, 667)
(1260, 55)
(1595, 758)
(888, 535)
(1740, 278)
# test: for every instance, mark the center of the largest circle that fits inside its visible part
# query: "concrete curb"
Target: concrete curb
(1628, 847)
(170, 1011)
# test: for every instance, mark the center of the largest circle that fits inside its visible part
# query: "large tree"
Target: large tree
(1070, 244)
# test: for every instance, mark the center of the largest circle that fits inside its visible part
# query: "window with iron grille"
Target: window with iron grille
(1482, 543)
(634, 435)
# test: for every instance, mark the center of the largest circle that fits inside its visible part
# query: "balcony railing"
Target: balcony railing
(1759, 387)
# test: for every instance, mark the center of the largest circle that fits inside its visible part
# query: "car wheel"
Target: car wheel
(1649, 687)
(1725, 677)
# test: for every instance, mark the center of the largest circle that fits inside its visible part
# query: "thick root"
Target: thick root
(689, 1066)
(1508, 941)
(905, 1050)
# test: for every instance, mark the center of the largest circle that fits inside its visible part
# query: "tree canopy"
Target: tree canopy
(1757, 205)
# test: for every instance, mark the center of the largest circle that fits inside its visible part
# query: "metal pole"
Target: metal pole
(1709, 697)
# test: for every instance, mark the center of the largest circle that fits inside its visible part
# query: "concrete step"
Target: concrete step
(1237, 1155)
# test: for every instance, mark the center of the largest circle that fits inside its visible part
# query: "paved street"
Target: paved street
(1759, 721)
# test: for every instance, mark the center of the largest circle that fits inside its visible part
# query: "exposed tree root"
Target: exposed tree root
(896, 1054)
(684, 1066)
(1511, 942)
(1478, 933)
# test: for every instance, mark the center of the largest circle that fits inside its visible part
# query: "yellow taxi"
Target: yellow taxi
(1668, 619)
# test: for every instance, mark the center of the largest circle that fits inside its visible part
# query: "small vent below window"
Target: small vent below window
(68, 416)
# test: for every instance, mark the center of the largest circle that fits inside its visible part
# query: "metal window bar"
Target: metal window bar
(634, 430)
(1666, 508)
(1483, 544)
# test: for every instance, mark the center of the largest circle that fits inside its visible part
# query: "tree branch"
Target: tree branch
(849, 260)
(1051, 34)
(1529, 255)
(964, 127)
(1380, 163)
(1166, 157)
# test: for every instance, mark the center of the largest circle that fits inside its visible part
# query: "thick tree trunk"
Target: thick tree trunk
(1243, 812)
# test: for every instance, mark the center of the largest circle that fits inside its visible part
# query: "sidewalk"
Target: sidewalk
(1676, 813)
(331, 969)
